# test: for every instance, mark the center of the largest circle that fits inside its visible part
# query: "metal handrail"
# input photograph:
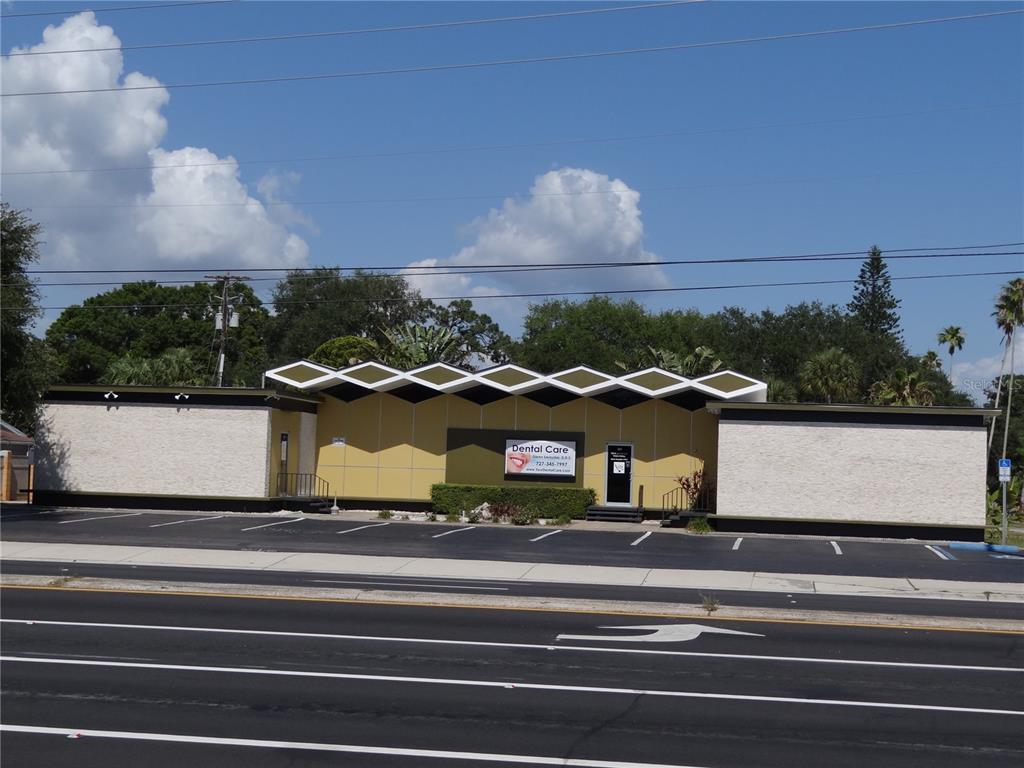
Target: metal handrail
(305, 484)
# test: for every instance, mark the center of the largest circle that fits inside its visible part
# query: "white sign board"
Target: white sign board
(556, 458)
(1004, 470)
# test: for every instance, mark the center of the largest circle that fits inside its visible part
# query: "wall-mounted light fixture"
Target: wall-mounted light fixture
(181, 396)
(110, 395)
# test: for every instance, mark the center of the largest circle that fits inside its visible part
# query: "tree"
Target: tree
(316, 305)
(1015, 439)
(345, 351)
(25, 364)
(414, 345)
(174, 368)
(1009, 316)
(830, 375)
(145, 319)
(874, 310)
(480, 340)
(930, 360)
(953, 337)
(873, 303)
(596, 332)
(902, 388)
(781, 391)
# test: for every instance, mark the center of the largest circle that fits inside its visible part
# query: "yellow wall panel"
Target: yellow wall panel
(361, 482)
(462, 412)
(396, 432)
(638, 428)
(532, 415)
(595, 480)
(422, 479)
(335, 477)
(672, 440)
(394, 483)
(361, 430)
(430, 433)
(331, 416)
(501, 414)
(569, 417)
(705, 440)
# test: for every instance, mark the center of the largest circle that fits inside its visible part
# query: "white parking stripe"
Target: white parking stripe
(188, 520)
(406, 584)
(545, 535)
(463, 682)
(634, 543)
(936, 551)
(835, 546)
(90, 519)
(363, 528)
(736, 544)
(454, 530)
(311, 746)
(519, 646)
(279, 522)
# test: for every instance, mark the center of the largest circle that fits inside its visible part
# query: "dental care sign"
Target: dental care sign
(540, 457)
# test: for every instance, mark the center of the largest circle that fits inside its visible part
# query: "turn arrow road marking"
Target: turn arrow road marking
(660, 633)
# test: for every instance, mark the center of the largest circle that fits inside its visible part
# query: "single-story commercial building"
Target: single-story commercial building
(372, 436)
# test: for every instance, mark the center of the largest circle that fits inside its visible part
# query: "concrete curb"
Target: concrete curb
(491, 602)
(1008, 549)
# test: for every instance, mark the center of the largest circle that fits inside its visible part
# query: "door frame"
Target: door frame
(632, 454)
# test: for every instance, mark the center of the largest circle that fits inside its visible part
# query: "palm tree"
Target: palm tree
(411, 346)
(1009, 315)
(902, 388)
(780, 391)
(831, 374)
(700, 362)
(953, 337)
(930, 361)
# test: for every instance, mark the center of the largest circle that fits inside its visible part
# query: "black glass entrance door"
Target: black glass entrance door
(618, 474)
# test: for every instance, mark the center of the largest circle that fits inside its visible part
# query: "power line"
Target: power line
(787, 257)
(251, 201)
(513, 146)
(115, 8)
(453, 271)
(366, 30)
(524, 60)
(547, 294)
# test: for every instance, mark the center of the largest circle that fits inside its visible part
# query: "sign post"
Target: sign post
(1004, 479)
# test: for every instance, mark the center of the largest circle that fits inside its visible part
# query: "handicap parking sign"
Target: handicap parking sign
(1004, 470)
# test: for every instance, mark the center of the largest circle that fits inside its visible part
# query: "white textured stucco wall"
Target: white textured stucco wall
(144, 449)
(833, 471)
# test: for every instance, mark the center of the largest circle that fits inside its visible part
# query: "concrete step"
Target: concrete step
(615, 514)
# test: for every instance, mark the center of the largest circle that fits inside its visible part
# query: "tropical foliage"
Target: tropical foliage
(902, 388)
(831, 375)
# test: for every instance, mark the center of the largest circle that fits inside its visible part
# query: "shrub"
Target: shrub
(384, 514)
(522, 517)
(452, 517)
(699, 525)
(563, 520)
(504, 500)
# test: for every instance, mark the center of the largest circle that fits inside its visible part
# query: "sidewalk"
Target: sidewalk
(847, 586)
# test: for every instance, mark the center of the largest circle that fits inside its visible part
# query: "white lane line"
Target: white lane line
(454, 530)
(835, 546)
(90, 519)
(545, 535)
(279, 522)
(317, 746)
(462, 682)
(736, 544)
(936, 551)
(634, 543)
(363, 528)
(188, 520)
(521, 646)
(406, 584)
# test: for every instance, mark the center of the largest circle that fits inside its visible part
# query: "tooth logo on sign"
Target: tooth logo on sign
(660, 633)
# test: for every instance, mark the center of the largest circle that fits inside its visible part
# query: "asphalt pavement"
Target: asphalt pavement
(109, 678)
(642, 547)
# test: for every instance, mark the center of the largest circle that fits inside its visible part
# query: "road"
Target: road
(492, 542)
(141, 678)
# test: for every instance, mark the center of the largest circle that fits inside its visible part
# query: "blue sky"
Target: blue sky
(770, 155)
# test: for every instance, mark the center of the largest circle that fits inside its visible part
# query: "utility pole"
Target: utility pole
(226, 318)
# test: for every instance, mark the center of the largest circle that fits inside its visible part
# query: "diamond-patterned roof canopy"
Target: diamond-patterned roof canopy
(502, 380)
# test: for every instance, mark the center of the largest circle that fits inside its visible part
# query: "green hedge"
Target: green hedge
(542, 502)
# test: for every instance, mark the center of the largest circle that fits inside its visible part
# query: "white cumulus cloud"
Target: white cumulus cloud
(151, 216)
(974, 376)
(570, 215)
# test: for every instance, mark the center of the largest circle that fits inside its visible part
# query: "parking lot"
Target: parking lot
(643, 546)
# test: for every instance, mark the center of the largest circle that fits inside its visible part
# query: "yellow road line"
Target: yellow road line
(404, 603)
